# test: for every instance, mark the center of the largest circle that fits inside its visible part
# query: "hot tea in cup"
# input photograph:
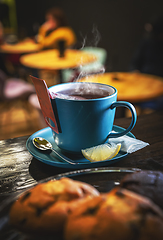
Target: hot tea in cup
(83, 92)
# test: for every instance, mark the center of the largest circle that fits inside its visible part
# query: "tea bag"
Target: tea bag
(128, 144)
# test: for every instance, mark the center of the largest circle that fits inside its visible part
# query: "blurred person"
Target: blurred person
(148, 57)
(55, 29)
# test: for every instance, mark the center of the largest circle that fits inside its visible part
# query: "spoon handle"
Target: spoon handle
(66, 159)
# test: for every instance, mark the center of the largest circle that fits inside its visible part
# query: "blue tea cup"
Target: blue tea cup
(85, 118)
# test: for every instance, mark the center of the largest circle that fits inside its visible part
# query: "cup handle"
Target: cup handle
(133, 121)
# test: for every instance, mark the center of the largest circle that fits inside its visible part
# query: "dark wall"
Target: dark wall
(116, 25)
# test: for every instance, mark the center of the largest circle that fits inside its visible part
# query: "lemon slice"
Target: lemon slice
(101, 152)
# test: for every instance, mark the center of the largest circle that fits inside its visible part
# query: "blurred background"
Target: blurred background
(117, 26)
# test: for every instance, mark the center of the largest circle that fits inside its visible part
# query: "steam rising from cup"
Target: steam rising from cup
(92, 43)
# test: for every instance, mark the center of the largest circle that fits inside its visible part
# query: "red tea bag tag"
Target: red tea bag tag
(44, 96)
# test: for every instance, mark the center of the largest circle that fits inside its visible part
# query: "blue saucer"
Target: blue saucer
(49, 157)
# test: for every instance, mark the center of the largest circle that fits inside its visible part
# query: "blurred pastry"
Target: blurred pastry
(117, 215)
(147, 183)
(45, 208)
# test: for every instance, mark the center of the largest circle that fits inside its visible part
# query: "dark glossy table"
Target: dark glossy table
(19, 170)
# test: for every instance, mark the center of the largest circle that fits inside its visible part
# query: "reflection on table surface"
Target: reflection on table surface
(21, 47)
(20, 170)
(134, 87)
(51, 60)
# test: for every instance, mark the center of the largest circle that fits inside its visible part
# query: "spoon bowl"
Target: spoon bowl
(44, 145)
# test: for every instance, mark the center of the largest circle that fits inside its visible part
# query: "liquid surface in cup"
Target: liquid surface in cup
(83, 93)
